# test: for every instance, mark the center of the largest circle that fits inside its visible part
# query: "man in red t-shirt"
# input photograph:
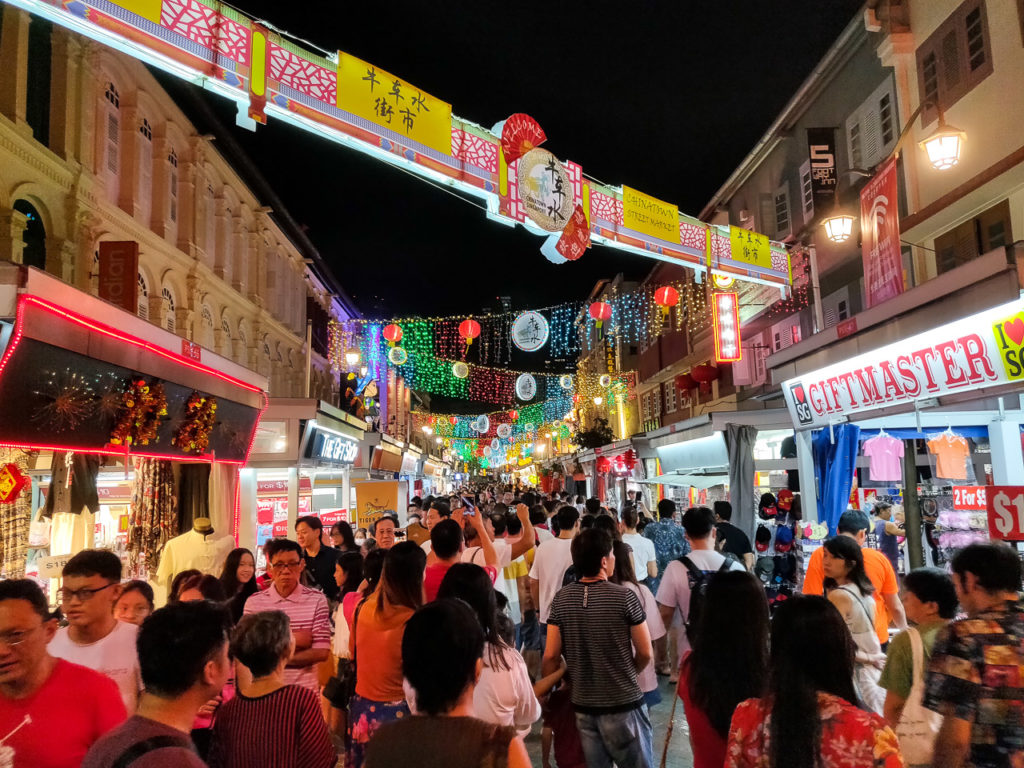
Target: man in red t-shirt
(855, 524)
(51, 711)
(446, 544)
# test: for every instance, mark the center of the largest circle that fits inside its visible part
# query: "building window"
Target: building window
(872, 130)
(955, 58)
(172, 158)
(806, 191)
(37, 92)
(109, 130)
(170, 321)
(782, 212)
(146, 129)
(795, 334)
(670, 396)
(969, 240)
(143, 307)
(646, 406)
(777, 341)
(886, 119)
(842, 309)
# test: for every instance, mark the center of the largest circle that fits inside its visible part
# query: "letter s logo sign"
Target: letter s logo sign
(821, 157)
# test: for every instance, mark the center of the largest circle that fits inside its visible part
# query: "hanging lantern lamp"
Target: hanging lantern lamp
(469, 329)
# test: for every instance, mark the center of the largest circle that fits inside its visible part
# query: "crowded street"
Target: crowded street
(350, 419)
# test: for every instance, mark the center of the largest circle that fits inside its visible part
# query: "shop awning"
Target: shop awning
(70, 363)
(694, 456)
(713, 476)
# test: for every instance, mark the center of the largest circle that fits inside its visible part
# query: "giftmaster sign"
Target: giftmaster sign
(979, 351)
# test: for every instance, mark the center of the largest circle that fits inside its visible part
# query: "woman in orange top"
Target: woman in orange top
(376, 646)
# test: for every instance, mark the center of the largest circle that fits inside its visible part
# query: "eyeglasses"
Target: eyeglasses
(290, 566)
(84, 595)
(17, 637)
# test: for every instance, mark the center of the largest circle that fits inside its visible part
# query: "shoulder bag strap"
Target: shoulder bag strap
(140, 748)
(859, 601)
(355, 637)
(695, 573)
(917, 651)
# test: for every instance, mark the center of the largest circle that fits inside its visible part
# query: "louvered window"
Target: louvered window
(955, 58)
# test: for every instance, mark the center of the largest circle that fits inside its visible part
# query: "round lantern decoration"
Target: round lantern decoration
(452, 420)
(495, 444)
(530, 428)
(605, 380)
(565, 381)
(460, 370)
(469, 329)
(600, 311)
(504, 431)
(666, 297)
(530, 331)
(487, 451)
(392, 333)
(514, 415)
(685, 382)
(526, 386)
(398, 356)
(483, 423)
(704, 375)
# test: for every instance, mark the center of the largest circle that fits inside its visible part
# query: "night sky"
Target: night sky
(667, 97)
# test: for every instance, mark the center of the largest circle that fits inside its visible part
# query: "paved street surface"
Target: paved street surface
(679, 750)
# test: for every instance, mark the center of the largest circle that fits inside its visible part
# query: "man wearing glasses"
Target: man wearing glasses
(93, 637)
(51, 711)
(307, 609)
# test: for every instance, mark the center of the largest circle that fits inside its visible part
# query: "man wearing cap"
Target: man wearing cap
(855, 524)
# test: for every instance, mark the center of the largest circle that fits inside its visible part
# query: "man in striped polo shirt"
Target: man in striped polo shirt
(601, 629)
(306, 608)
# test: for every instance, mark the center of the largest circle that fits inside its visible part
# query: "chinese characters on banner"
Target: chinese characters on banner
(821, 149)
(575, 237)
(750, 247)
(545, 190)
(649, 215)
(378, 96)
(880, 237)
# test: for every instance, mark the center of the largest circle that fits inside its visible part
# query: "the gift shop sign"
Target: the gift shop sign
(979, 351)
(332, 448)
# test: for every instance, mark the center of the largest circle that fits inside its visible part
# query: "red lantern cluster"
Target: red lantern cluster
(704, 375)
(685, 382)
(469, 329)
(604, 465)
(629, 459)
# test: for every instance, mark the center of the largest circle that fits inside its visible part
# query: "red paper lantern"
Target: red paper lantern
(685, 382)
(600, 311)
(629, 459)
(666, 297)
(392, 333)
(514, 415)
(469, 329)
(704, 375)
(453, 420)
(604, 465)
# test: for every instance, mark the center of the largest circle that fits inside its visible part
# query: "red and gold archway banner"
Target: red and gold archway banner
(359, 105)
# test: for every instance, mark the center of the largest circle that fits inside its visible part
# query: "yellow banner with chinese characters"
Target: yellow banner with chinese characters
(378, 96)
(147, 9)
(750, 247)
(374, 499)
(649, 215)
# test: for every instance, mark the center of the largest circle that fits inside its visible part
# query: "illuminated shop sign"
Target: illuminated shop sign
(332, 447)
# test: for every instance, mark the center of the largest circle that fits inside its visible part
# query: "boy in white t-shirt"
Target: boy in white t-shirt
(93, 637)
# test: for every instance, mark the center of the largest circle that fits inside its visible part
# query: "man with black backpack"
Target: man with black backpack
(685, 581)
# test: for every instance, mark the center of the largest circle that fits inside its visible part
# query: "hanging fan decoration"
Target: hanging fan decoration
(460, 370)
(495, 444)
(483, 423)
(505, 431)
(469, 329)
(526, 387)
(519, 134)
(398, 356)
(392, 333)
(530, 331)
(565, 381)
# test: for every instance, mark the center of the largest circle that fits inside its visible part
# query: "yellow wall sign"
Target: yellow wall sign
(147, 9)
(750, 247)
(649, 215)
(374, 499)
(378, 96)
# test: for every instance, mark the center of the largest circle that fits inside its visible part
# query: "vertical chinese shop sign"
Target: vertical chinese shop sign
(371, 93)
(880, 237)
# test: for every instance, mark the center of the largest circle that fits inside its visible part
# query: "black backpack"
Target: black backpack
(699, 581)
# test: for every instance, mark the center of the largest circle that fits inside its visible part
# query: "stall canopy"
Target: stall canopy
(699, 457)
(99, 380)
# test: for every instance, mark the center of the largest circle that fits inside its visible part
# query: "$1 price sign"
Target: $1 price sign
(1006, 512)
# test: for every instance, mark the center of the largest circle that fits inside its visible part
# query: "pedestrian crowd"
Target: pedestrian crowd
(444, 643)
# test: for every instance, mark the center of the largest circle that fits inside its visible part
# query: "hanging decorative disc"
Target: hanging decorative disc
(565, 381)
(397, 356)
(530, 331)
(530, 428)
(526, 387)
(483, 423)
(460, 370)
(487, 450)
(504, 431)
(495, 444)
(605, 380)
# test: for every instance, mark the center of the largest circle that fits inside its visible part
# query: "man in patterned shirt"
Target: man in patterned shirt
(975, 676)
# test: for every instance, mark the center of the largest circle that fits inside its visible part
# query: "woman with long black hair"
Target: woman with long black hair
(728, 662)
(808, 718)
(238, 577)
(849, 589)
(503, 694)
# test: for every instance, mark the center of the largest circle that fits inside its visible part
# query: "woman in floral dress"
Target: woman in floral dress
(810, 717)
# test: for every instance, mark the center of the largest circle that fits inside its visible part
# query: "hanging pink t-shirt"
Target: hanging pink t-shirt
(884, 453)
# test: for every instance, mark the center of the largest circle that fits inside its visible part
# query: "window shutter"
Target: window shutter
(955, 58)
(806, 191)
(782, 219)
(975, 29)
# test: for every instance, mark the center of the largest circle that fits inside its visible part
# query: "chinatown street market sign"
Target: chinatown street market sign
(356, 104)
(977, 352)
